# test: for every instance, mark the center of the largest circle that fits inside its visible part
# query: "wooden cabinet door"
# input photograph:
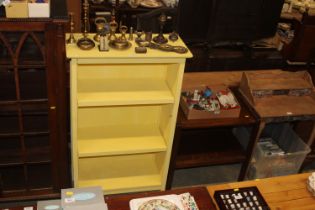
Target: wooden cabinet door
(33, 144)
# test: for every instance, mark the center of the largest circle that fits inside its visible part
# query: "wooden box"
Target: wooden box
(279, 93)
(202, 114)
(17, 9)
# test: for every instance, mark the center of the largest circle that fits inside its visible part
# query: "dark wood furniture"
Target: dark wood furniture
(219, 36)
(211, 141)
(33, 108)
(302, 47)
(124, 14)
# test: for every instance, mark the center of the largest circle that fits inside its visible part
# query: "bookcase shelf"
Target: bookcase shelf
(127, 184)
(129, 92)
(123, 113)
(123, 173)
(144, 138)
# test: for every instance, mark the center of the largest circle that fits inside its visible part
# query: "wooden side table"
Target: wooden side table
(203, 142)
(281, 107)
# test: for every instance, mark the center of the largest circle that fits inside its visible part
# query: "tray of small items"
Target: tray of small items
(209, 102)
(246, 198)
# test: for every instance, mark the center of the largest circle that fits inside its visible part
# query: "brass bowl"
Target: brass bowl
(143, 43)
(180, 49)
(120, 45)
(85, 44)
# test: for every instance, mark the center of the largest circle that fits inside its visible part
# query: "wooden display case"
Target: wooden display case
(34, 161)
(123, 114)
(301, 48)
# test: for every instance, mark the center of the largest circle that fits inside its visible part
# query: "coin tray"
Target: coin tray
(247, 198)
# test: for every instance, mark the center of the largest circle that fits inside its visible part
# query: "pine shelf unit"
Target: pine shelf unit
(123, 114)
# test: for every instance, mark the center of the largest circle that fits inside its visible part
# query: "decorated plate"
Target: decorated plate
(151, 3)
(84, 196)
(52, 207)
(158, 204)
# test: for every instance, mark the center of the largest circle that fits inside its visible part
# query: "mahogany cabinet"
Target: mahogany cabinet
(33, 107)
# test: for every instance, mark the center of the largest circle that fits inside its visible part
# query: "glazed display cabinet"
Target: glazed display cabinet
(123, 113)
(33, 140)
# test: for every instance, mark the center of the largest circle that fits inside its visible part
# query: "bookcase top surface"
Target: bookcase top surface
(74, 52)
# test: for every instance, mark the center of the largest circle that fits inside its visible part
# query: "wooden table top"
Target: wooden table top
(281, 193)
(121, 201)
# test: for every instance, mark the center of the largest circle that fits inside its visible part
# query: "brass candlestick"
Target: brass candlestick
(121, 42)
(123, 31)
(160, 39)
(71, 39)
(130, 38)
(101, 28)
(112, 29)
(86, 43)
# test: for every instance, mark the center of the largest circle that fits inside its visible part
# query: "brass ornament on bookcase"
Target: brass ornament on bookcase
(160, 39)
(112, 28)
(71, 39)
(102, 27)
(173, 36)
(130, 38)
(121, 43)
(85, 43)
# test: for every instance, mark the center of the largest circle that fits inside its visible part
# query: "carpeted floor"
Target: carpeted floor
(206, 175)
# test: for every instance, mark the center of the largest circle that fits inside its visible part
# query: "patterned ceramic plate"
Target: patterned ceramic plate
(158, 204)
(151, 3)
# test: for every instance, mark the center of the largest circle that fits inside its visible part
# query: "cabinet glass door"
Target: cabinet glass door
(25, 152)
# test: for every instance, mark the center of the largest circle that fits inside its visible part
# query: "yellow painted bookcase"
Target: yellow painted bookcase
(123, 114)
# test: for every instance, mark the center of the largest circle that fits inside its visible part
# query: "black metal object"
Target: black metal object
(245, 198)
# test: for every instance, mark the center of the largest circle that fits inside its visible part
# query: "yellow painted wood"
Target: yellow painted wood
(98, 92)
(124, 84)
(120, 116)
(281, 193)
(94, 61)
(123, 114)
(168, 122)
(125, 184)
(133, 139)
(137, 70)
(74, 119)
(109, 167)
